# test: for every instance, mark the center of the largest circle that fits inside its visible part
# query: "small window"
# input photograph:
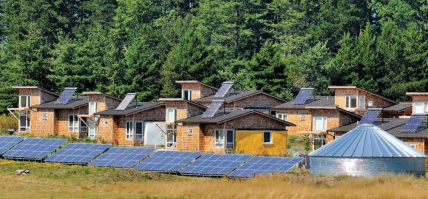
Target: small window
(187, 95)
(282, 117)
(83, 127)
(45, 116)
(105, 122)
(129, 130)
(190, 131)
(219, 138)
(171, 115)
(272, 113)
(303, 117)
(419, 107)
(267, 137)
(92, 107)
(320, 123)
(73, 123)
(351, 102)
(24, 101)
(361, 102)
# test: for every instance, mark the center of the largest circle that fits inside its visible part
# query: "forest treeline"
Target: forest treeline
(277, 46)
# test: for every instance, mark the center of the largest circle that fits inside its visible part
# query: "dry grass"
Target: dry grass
(7, 122)
(59, 181)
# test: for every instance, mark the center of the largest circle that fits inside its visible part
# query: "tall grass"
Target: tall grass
(7, 122)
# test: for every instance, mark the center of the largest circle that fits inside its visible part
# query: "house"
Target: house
(401, 110)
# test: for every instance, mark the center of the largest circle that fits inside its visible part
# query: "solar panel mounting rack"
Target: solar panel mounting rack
(7, 142)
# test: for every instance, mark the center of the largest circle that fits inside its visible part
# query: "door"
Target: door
(138, 131)
(171, 137)
(92, 130)
(230, 139)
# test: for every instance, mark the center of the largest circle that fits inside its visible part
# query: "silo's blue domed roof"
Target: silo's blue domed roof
(367, 140)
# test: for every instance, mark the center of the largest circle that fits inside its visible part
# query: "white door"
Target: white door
(92, 130)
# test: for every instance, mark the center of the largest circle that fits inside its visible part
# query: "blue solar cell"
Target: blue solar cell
(168, 161)
(223, 89)
(264, 165)
(66, 95)
(215, 164)
(212, 109)
(370, 116)
(413, 124)
(302, 96)
(34, 149)
(78, 153)
(122, 157)
(7, 142)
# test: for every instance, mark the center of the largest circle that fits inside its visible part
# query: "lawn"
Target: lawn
(61, 181)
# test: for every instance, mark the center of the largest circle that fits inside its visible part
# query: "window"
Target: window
(303, 117)
(272, 113)
(282, 117)
(413, 146)
(92, 107)
(83, 127)
(171, 137)
(45, 116)
(320, 123)
(419, 107)
(318, 141)
(171, 115)
(105, 122)
(351, 102)
(24, 123)
(73, 123)
(187, 95)
(267, 137)
(219, 138)
(24, 101)
(230, 139)
(129, 130)
(361, 102)
(92, 130)
(138, 130)
(190, 131)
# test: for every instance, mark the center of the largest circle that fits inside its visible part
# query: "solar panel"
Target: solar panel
(125, 102)
(34, 149)
(66, 95)
(302, 96)
(78, 153)
(213, 108)
(123, 157)
(224, 89)
(168, 161)
(413, 124)
(215, 164)
(7, 142)
(262, 165)
(370, 116)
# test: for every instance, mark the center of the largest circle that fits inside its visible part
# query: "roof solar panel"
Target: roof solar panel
(302, 96)
(370, 116)
(66, 95)
(262, 165)
(122, 157)
(7, 142)
(78, 153)
(223, 89)
(215, 164)
(413, 124)
(125, 102)
(34, 149)
(213, 108)
(168, 161)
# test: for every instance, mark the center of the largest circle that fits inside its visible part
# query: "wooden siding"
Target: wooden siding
(340, 100)
(40, 127)
(103, 102)
(198, 90)
(257, 101)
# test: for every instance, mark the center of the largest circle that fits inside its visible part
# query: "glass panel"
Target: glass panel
(353, 102)
(185, 94)
(139, 131)
(347, 102)
(219, 138)
(230, 138)
(171, 115)
(419, 107)
(318, 142)
(92, 108)
(190, 95)
(266, 137)
(319, 123)
(272, 113)
(24, 101)
(362, 102)
(92, 130)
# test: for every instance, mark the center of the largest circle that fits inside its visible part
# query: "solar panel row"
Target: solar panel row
(264, 165)
(78, 153)
(413, 124)
(215, 164)
(123, 157)
(34, 148)
(7, 142)
(168, 161)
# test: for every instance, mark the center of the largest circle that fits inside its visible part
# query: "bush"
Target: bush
(7, 122)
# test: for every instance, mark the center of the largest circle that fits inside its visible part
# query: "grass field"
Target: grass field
(61, 181)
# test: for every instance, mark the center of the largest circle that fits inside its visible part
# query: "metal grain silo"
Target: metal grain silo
(367, 151)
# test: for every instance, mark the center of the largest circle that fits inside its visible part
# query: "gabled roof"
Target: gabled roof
(233, 96)
(398, 107)
(359, 89)
(131, 109)
(221, 117)
(314, 102)
(182, 100)
(367, 140)
(194, 82)
(99, 93)
(34, 87)
(74, 103)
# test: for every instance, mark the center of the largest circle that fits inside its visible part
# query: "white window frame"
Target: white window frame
(219, 143)
(282, 116)
(174, 112)
(173, 144)
(27, 99)
(27, 123)
(92, 125)
(324, 118)
(74, 125)
(189, 94)
(129, 132)
(423, 107)
(270, 137)
(142, 130)
(92, 104)
(348, 101)
(361, 101)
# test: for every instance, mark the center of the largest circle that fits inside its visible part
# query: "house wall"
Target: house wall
(257, 101)
(421, 144)
(103, 102)
(184, 109)
(340, 95)
(37, 96)
(198, 90)
(105, 130)
(61, 123)
(251, 142)
(41, 127)
(186, 141)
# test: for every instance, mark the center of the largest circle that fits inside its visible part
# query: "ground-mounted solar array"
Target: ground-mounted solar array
(34, 149)
(78, 153)
(168, 161)
(65, 96)
(213, 108)
(125, 102)
(215, 164)
(302, 96)
(370, 116)
(123, 157)
(413, 124)
(7, 142)
(262, 165)
(223, 89)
